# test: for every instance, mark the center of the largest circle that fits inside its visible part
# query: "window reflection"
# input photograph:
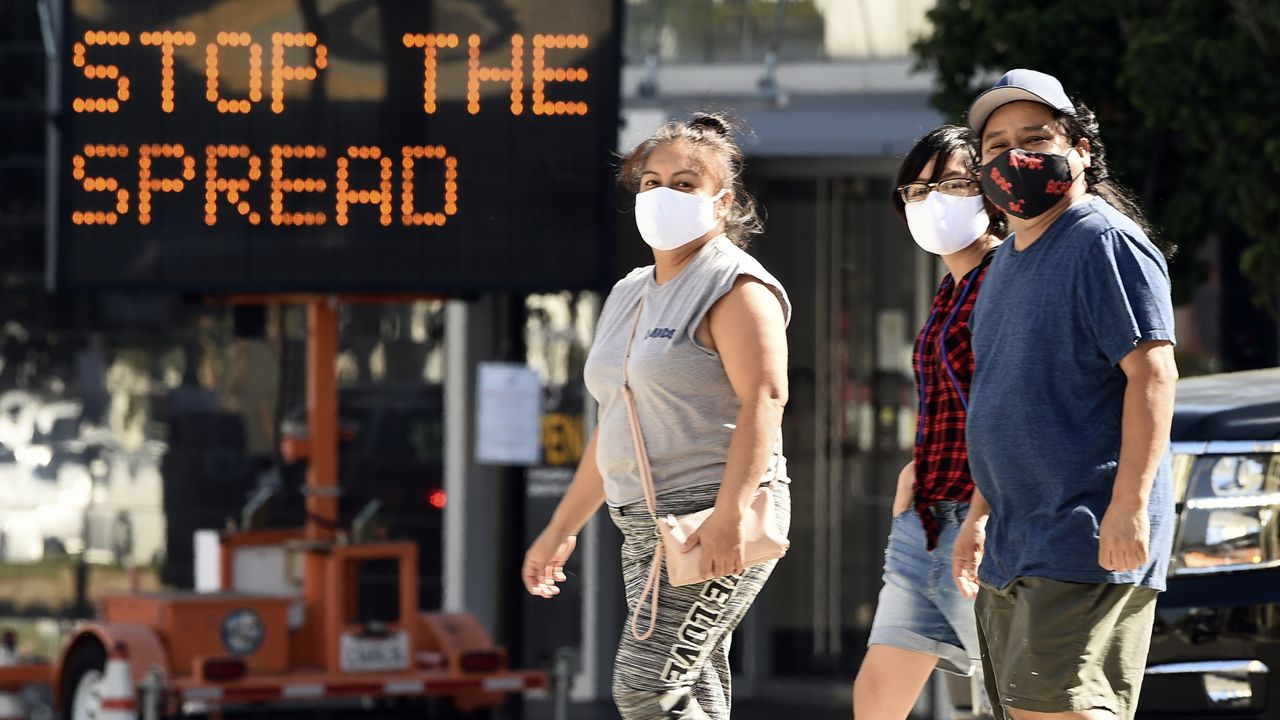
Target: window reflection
(711, 31)
(125, 428)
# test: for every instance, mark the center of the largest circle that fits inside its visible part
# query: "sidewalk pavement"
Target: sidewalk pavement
(742, 710)
(808, 699)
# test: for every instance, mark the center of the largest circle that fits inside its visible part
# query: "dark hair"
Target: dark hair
(941, 145)
(1084, 125)
(711, 136)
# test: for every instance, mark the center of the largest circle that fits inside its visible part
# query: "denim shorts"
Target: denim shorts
(920, 608)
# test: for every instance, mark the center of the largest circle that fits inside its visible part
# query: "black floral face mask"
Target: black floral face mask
(1025, 184)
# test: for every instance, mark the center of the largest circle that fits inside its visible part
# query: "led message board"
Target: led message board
(454, 146)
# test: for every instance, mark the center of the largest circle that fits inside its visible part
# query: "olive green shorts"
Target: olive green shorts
(1050, 646)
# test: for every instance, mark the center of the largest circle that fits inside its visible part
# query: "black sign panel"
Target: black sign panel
(336, 145)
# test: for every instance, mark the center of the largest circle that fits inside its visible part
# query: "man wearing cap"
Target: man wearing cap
(1069, 416)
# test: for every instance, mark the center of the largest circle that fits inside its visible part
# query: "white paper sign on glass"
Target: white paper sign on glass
(508, 414)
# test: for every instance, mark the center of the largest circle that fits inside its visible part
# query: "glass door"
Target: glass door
(860, 289)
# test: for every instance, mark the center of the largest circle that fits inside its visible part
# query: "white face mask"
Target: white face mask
(669, 218)
(946, 224)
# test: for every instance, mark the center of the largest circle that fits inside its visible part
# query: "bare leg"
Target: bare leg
(889, 682)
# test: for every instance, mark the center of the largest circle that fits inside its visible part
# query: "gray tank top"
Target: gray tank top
(687, 407)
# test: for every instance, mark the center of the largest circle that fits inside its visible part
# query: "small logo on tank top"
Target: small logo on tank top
(661, 333)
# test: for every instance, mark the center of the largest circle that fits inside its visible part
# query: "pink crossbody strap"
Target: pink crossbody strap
(637, 437)
(653, 583)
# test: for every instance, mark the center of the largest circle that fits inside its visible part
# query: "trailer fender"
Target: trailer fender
(142, 645)
(454, 635)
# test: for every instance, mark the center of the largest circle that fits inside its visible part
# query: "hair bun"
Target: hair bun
(719, 124)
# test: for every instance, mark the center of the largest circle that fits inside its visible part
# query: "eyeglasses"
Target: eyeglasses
(959, 187)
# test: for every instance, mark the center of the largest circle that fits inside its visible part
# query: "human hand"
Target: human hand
(723, 550)
(966, 554)
(1123, 537)
(544, 562)
(906, 490)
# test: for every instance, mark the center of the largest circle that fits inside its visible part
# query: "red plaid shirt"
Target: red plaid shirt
(943, 362)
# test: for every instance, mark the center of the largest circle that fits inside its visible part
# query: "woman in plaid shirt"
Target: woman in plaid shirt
(922, 621)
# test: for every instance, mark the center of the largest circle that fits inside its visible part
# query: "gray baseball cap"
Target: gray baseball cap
(1015, 85)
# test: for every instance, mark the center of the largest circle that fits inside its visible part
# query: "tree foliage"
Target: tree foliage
(1187, 93)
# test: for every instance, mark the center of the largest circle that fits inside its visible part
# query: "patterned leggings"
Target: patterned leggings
(682, 669)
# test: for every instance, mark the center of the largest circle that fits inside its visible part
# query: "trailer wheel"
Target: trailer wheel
(82, 693)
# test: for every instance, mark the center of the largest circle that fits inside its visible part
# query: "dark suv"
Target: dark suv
(1215, 650)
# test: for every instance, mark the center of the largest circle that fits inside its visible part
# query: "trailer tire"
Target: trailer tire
(88, 659)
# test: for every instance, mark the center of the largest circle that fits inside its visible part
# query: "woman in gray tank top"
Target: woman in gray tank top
(708, 372)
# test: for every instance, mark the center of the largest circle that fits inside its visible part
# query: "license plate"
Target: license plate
(503, 684)
(365, 654)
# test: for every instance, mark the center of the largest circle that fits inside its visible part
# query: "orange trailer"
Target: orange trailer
(354, 637)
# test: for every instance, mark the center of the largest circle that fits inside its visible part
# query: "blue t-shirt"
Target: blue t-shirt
(1049, 331)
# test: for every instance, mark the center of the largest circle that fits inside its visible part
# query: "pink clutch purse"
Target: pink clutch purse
(764, 542)
(760, 528)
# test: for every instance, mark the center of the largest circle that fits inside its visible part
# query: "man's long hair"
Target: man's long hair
(1098, 180)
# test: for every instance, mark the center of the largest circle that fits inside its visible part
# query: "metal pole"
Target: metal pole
(322, 468)
(52, 34)
(151, 690)
(562, 681)
(514, 350)
(322, 420)
(457, 454)
(821, 420)
(836, 427)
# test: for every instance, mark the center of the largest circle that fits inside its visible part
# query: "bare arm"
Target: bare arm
(749, 331)
(1148, 414)
(544, 561)
(978, 507)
